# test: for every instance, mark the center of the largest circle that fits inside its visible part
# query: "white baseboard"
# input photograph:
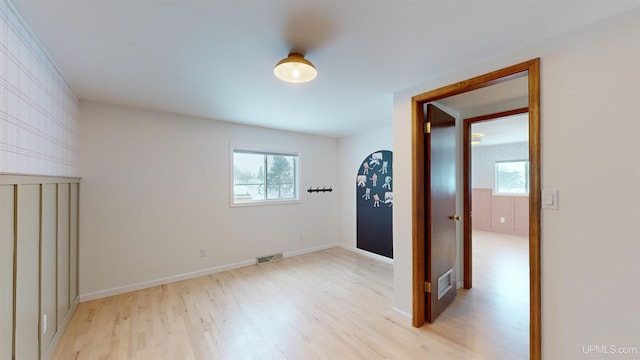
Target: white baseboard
(61, 329)
(169, 279)
(162, 281)
(309, 250)
(403, 315)
(367, 253)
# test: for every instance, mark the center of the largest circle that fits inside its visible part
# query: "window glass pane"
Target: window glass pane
(512, 177)
(264, 176)
(248, 177)
(280, 178)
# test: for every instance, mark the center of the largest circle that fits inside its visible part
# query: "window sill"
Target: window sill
(264, 203)
(507, 194)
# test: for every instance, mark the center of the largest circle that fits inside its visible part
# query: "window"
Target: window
(512, 177)
(262, 177)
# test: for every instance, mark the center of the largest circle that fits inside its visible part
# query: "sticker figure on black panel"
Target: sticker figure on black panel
(375, 159)
(387, 183)
(365, 168)
(376, 200)
(384, 168)
(388, 199)
(374, 179)
(367, 194)
(361, 180)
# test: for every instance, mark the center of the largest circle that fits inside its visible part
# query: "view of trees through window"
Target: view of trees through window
(512, 177)
(259, 176)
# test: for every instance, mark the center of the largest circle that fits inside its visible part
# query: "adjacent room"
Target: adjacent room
(238, 180)
(500, 218)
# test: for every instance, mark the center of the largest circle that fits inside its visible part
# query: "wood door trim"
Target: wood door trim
(532, 69)
(535, 320)
(466, 154)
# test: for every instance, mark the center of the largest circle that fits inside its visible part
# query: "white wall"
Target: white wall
(155, 190)
(38, 111)
(351, 151)
(590, 246)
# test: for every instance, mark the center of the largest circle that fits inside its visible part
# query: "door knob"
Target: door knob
(454, 218)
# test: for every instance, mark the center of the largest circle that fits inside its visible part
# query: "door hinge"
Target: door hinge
(427, 287)
(427, 127)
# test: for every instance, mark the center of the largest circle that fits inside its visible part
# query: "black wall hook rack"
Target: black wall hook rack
(318, 190)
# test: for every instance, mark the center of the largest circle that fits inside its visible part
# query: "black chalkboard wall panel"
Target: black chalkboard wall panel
(374, 203)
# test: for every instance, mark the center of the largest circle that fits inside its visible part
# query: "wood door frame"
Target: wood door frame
(532, 69)
(467, 228)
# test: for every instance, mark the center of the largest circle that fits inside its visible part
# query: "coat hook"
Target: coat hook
(318, 189)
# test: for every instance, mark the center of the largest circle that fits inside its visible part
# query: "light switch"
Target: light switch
(550, 199)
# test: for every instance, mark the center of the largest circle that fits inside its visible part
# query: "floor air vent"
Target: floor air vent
(268, 258)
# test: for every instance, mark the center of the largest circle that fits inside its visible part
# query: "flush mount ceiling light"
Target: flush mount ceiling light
(476, 138)
(295, 69)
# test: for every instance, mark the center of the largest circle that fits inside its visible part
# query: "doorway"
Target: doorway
(501, 208)
(530, 69)
(498, 233)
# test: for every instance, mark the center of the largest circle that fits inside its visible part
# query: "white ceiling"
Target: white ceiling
(214, 58)
(505, 130)
(504, 96)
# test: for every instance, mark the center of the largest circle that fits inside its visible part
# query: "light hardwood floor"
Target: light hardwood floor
(492, 318)
(331, 304)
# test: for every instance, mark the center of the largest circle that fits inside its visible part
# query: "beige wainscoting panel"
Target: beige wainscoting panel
(27, 272)
(73, 242)
(502, 214)
(48, 266)
(481, 208)
(38, 263)
(521, 215)
(488, 209)
(63, 251)
(7, 207)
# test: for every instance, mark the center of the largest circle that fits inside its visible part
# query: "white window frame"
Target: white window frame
(263, 151)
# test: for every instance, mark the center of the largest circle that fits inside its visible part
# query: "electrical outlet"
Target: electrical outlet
(203, 253)
(44, 323)
(502, 220)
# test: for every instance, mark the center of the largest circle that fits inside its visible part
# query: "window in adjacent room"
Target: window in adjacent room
(512, 177)
(261, 177)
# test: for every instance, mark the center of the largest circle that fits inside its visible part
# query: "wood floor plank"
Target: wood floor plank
(324, 305)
